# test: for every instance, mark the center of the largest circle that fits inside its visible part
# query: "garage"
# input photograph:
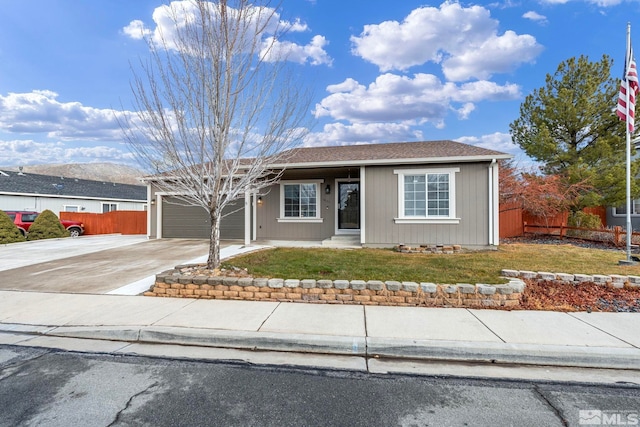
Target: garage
(192, 222)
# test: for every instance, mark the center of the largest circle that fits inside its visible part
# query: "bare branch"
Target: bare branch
(212, 112)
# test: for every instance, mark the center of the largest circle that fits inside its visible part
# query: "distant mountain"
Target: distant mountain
(107, 172)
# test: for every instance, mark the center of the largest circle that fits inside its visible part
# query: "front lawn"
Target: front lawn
(469, 267)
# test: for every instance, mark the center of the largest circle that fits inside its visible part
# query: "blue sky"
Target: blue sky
(382, 71)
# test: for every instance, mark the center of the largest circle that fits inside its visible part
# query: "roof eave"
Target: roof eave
(384, 162)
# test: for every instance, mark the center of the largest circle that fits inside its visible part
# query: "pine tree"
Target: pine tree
(570, 126)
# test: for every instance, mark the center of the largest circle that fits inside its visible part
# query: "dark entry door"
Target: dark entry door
(348, 205)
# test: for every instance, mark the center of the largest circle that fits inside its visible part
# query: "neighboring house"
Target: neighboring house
(618, 216)
(381, 195)
(27, 191)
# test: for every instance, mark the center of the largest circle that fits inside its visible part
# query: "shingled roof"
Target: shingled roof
(390, 153)
(56, 186)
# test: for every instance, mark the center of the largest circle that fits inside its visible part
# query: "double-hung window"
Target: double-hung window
(426, 195)
(299, 201)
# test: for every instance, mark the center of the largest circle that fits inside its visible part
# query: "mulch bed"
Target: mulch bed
(551, 296)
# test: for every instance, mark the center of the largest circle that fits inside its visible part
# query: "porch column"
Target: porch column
(247, 218)
(158, 216)
(363, 226)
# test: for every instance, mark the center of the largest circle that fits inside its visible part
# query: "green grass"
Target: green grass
(470, 267)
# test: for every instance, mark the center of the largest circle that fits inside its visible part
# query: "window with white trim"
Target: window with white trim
(299, 201)
(622, 210)
(426, 195)
(109, 207)
(71, 208)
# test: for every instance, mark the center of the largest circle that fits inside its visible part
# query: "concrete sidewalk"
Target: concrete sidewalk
(595, 340)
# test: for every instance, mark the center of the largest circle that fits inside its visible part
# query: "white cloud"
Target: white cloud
(136, 30)
(39, 111)
(296, 26)
(463, 39)
(362, 133)
(602, 3)
(28, 152)
(171, 18)
(313, 53)
(498, 141)
(421, 98)
(535, 16)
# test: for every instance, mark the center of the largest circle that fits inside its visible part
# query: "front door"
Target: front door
(348, 206)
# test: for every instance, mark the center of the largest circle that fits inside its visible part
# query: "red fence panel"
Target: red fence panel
(513, 218)
(122, 222)
(511, 224)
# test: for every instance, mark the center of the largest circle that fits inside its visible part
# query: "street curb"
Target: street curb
(379, 348)
(521, 354)
(299, 343)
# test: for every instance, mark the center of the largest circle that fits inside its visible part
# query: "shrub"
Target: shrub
(46, 226)
(584, 220)
(9, 232)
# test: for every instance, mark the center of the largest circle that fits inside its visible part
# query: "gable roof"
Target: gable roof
(389, 153)
(392, 153)
(56, 186)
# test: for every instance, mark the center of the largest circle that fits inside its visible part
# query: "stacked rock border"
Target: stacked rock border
(180, 283)
(615, 280)
(429, 249)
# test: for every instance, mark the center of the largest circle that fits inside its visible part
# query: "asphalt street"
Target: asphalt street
(50, 388)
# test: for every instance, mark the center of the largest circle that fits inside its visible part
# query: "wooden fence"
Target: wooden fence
(513, 219)
(122, 222)
(616, 235)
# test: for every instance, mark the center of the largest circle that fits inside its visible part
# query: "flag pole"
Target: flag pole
(628, 149)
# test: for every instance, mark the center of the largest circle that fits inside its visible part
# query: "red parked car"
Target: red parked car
(24, 219)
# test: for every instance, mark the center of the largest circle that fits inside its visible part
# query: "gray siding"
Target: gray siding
(621, 220)
(472, 207)
(268, 227)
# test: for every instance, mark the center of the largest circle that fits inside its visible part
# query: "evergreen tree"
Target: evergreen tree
(9, 232)
(570, 126)
(46, 226)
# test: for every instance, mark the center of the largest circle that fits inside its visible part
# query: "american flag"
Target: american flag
(629, 83)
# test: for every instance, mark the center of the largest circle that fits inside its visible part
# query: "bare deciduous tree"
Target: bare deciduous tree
(216, 103)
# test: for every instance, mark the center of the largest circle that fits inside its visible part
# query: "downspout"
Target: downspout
(491, 202)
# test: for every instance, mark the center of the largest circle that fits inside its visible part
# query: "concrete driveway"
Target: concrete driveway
(92, 264)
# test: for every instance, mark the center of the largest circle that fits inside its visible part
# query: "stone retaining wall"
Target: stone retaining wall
(615, 280)
(174, 283)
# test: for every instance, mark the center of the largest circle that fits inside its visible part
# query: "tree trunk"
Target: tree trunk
(214, 241)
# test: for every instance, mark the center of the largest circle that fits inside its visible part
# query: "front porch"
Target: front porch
(348, 241)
